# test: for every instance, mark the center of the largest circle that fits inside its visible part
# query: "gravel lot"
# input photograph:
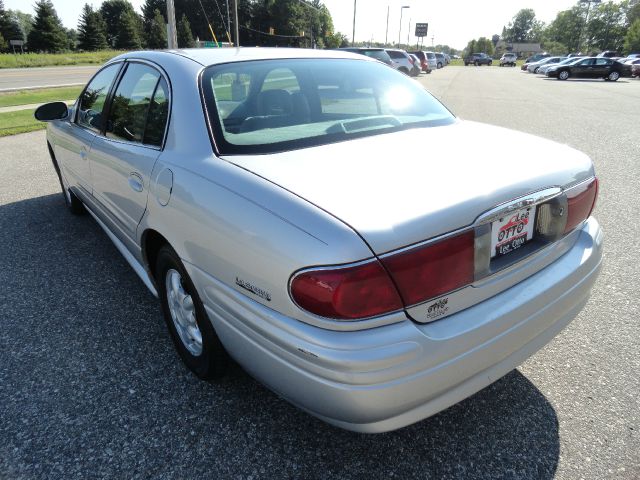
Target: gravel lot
(90, 385)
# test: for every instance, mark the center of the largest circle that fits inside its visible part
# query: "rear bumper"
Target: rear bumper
(389, 377)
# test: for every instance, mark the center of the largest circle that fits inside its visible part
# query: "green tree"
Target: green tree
(24, 21)
(3, 43)
(91, 30)
(554, 48)
(185, 37)
(606, 28)
(150, 24)
(566, 29)
(128, 36)
(632, 40)
(113, 12)
(523, 27)
(632, 11)
(47, 34)
(157, 33)
(9, 27)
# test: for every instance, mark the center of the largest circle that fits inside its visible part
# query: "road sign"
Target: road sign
(209, 44)
(422, 29)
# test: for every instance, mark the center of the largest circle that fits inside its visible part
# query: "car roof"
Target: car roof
(213, 56)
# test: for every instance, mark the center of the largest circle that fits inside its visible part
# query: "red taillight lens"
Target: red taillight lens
(431, 270)
(580, 201)
(348, 293)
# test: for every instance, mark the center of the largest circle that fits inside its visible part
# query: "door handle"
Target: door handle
(135, 182)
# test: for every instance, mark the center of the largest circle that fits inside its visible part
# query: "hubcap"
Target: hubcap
(564, 75)
(183, 313)
(614, 76)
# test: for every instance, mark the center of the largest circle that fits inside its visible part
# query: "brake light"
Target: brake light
(429, 271)
(347, 293)
(581, 200)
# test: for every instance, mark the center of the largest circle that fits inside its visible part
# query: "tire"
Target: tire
(404, 70)
(563, 75)
(191, 331)
(476, 64)
(535, 70)
(613, 76)
(439, 64)
(73, 203)
(489, 64)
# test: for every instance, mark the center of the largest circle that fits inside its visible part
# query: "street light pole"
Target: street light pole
(386, 35)
(400, 28)
(236, 25)
(353, 34)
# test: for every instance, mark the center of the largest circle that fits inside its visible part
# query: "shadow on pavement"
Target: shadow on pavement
(90, 386)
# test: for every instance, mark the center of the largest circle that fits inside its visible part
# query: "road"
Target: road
(90, 385)
(22, 78)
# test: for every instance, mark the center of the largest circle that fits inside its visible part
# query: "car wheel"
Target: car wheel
(489, 64)
(535, 70)
(613, 76)
(439, 65)
(191, 331)
(563, 75)
(476, 64)
(404, 70)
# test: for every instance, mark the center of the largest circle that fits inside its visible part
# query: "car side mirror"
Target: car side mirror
(51, 111)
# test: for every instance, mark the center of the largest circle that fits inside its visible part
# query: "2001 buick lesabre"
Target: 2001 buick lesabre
(266, 196)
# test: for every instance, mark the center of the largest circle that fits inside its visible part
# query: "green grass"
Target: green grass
(26, 97)
(9, 60)
(21, 121)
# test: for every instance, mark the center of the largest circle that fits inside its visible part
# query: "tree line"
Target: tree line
(584, 28)
(116, 25)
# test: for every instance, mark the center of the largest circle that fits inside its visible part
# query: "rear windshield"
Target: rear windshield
(431, 55)
(378, 55)
(269, 106)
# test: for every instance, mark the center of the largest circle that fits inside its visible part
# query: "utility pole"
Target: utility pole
(228, 18)
(172, 38)
(353, 34)
(409, 32)
(236, 24)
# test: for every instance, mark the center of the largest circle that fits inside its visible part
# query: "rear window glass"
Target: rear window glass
(275, 105)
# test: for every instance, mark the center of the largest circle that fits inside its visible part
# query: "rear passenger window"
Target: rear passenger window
(158, 113)
(94, 96)
(131, 101)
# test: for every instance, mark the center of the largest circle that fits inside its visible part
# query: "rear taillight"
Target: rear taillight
(366, 290)
(346, 293)
(580, 202)
(428, 271)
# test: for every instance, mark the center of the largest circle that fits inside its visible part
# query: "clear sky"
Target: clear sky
(451, 22)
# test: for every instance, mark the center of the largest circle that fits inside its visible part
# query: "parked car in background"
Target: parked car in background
(273, 200)
(635, 70)
(433, 61)
(478, 59)
(440, 60)
(534, 67)
(536, 57)
(508, 59)
(608, 54)
(568, 61)
(426, 65)
(377, 53)
(633, 55)
(591, 67)
(401, 60)
(447, 58)
(417, 66)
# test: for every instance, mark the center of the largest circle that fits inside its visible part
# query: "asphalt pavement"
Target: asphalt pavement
(22, 78)
(90, 386)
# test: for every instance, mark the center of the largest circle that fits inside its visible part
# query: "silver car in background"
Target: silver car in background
(567, 61)
(402, 61)
(534, 67)
(272, 200)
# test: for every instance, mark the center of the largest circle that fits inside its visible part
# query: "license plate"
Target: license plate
(512, 231)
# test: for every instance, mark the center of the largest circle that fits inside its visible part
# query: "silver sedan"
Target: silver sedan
(272, 200)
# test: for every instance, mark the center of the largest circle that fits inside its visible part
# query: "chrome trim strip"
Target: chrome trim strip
(528, 200)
